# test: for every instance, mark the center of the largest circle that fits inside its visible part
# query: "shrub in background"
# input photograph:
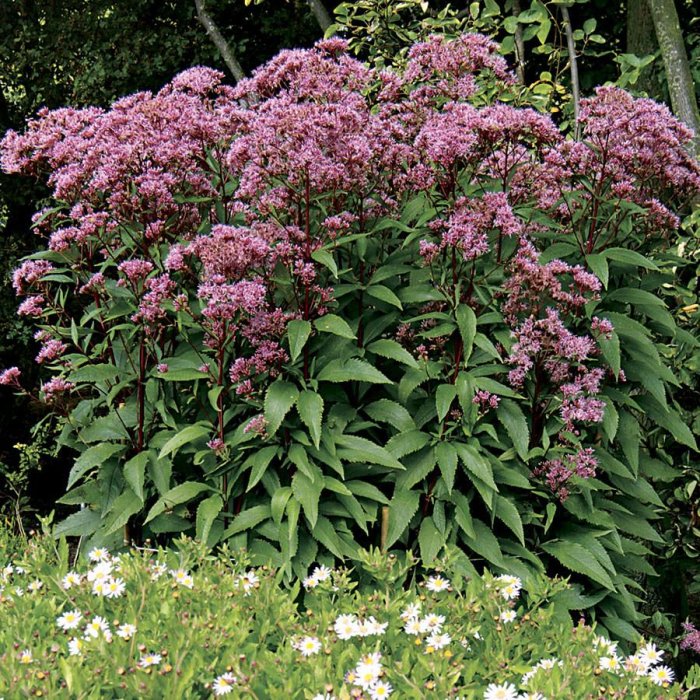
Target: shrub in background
(271, 311)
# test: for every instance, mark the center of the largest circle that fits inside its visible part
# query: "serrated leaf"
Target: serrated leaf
(382, 293)
(280, 397)
(175, 496)
(352, 370)
(476, 464)
(310, 410)
(508, 514)
(92, 457)
(207, 512)
(135, 471)
(463, 514)
(611, 419)
(446, 457)
(246, 520)
(485, 544)
(599, 267)
(392, 351)
(330, 323)
(308, 493)
(298, 332)
(387, 411)
(406, 443)
(80, 524)
(466, 322)
(94, 373)
(610, 347)
(513, 420)
(366, 490)
(578, 559)
(629, 439)
(444, 396)
(326, 259)
(358, 449)
(183, 437)
(430, 541)
(402, 508)
(629, 257)
(258, 463)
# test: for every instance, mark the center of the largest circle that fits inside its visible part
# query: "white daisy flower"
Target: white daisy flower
(438, 641)
(610, 663)
(414, 626)
(310, 582)
(75, 647)
(437, 584)
(69, 620)
(506, 691)
(101, 572)
(508, 616)
(126, 631)
(25, 656)
(249, 581)
(346, 626)
(35, 585)
(322, 573)
(71, 579)
(309, 646)
(411, 611)
(158, 570)
(148, 660)
(182, 577)
(380, 689)
(604, 645)
(96, 626)
(114, 587)
(223, 684)
(323, 696)
(650, 655)
(98, 554)
(636, 664)
(432, 623)
(100, 587)
(661, 675)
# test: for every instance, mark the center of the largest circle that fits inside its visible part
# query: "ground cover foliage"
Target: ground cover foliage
(184, 623)
(272, 311)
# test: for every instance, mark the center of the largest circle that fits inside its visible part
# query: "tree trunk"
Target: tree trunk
(321, 14)
(680, 81)
(641, 41)
(221, 44)
(519, 45)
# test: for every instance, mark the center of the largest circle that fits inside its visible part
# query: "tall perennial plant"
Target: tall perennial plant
(336, 304)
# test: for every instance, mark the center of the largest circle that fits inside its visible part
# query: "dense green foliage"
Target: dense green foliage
(189, 625)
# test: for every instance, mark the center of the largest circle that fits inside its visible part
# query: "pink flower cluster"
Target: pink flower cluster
(558, 472)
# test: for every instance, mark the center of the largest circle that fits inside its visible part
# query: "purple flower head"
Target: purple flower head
(55, 388)
(28, 273)
(10, 377)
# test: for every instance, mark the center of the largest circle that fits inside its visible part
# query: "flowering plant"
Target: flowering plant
(337, 305)
(181, 623)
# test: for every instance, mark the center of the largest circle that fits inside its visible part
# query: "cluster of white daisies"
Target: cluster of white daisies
(646, 662)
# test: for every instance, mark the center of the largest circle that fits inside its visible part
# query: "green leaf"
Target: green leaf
(466, 322)
(94, 373)
(513, 420)
(326, 534)
(402, 508)
(463, 514)
(330, 323)
(406, 443)
(611, 419)
(310, 410)
(326, 259)
(308, 493)
(352, 370)
(280, 397)
(124, 506)
(298, 332)
(392, 351)
(259, 462)
(358, 449)
(446, 456)
(629, 439)
(382, 293)
(485, 544)
(246, 520)
(599, 267)
(610, 347)
(177, 495)
(207, 511)
(629, 257)
(184, 436)
(507, 513)
(80, 524)
(476, 464)
(444, 396)
(92, 457)
(367, 490)
(135, 471)
(278, 503)
(430, 541)
(577, 558)
(387, 411)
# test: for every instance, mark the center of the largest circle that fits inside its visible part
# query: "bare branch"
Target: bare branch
(221, 44)
(573, 65)
(519, 46)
